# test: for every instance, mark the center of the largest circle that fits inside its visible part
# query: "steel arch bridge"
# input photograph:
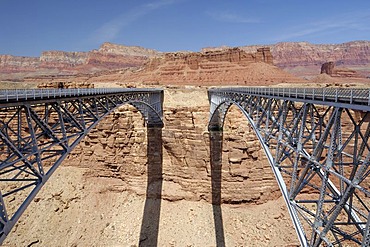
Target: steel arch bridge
(39, 128)
(317, 143)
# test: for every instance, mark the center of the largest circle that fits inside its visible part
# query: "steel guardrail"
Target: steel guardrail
(336, 95)
(8, 95)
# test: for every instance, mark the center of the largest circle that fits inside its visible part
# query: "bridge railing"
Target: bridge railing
(29, 94)
(337, 95)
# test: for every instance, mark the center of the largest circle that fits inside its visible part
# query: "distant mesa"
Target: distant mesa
(108, 57)
(212, 67)
(281, 62)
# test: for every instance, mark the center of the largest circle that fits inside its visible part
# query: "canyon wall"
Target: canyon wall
(108, 57)
(234, 55)
(305, 59)
(290, 54)
(117, 148)
(62, 59)
(10, 64)
(298, 58)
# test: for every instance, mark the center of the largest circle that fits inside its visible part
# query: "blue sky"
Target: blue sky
(28, 27)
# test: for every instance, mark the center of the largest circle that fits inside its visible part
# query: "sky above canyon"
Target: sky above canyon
(29, 27)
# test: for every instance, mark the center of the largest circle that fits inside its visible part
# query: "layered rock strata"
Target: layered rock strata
(108, 57)
(291, 54)
(117, 148)
(228, 66)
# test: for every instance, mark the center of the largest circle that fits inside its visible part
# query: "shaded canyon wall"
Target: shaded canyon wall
(117, 148)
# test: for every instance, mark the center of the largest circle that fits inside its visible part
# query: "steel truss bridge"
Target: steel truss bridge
(316, 140)
(317, 143)
(39, 128)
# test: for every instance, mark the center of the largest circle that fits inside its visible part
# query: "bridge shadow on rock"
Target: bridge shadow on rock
(150, 222)
(216, 177)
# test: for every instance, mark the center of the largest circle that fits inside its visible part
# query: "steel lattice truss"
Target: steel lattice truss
(317, 142)
(39, 128)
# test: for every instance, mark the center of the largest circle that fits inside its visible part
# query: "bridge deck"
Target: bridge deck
(358, 99)
(19, 96)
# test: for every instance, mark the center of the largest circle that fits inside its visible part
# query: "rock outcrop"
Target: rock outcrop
(231, 66)
(330, 69)
(327, 68)
(196, 60)
(62, 85)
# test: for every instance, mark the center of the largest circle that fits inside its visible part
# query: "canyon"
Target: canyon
(103, 183)
(98, 195)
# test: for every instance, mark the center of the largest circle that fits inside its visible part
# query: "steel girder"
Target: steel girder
(39, 128)
(319, 151)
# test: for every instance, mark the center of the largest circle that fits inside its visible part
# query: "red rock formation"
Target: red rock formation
(232, 55)
(107, 57)
(9, 64)
(289, 54)
(304, 59)
(104, 61)
(109, 48)
(327, 68)
(62, 59)
(211, 67)
(298, 58)
(60, 84)
(330, 69)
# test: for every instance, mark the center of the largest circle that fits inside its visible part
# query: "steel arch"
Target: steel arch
(37, 133)
(321, 166)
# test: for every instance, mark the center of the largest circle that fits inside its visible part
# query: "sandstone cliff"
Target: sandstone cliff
(304, 59)
(289, 54)
(298, 58)
(62, 59)
(10, 64)
(110, 48)
(50, 63)
(231, 66)
(117, 148)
